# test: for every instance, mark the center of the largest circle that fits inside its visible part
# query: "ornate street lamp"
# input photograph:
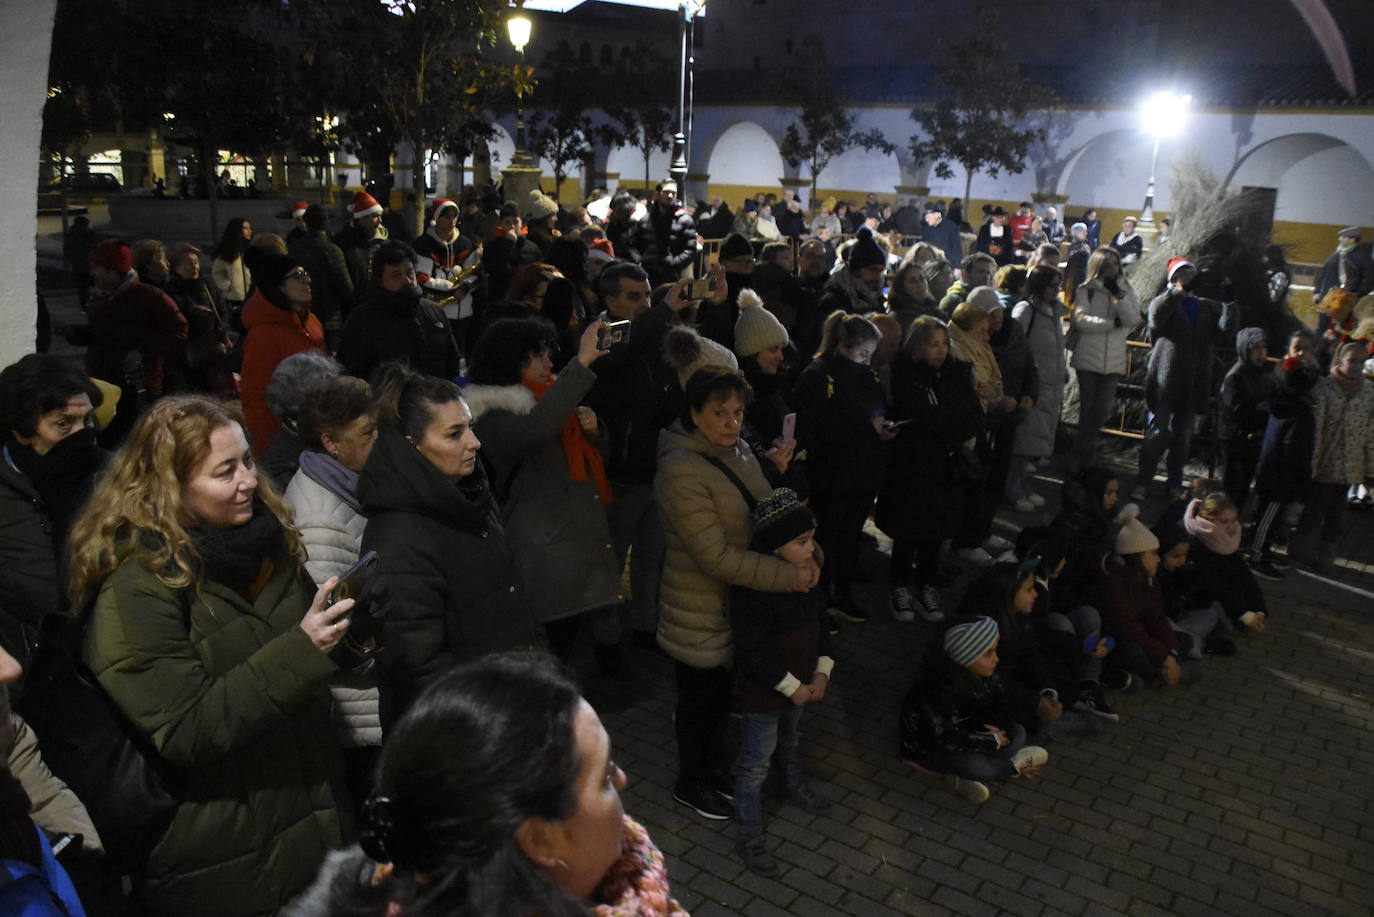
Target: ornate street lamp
(518, 28)
(678, 168)
(1162, 114)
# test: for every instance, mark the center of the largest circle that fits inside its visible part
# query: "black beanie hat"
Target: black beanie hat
(268, 268)
(780, 517)
(1170, 534)
(734, 246)
(866, 251)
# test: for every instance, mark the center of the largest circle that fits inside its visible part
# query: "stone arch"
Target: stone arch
(1113, 168)
(1319, 178)
(743, 153)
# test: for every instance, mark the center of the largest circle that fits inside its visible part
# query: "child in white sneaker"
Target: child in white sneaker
(956, 719)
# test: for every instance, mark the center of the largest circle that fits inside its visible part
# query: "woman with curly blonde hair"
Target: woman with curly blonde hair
(201, 626)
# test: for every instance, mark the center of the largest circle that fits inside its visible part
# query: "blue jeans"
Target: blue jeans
(1168, 429)
(760, 735)
(982, 765)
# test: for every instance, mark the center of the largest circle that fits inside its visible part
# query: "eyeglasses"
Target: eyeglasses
(300, 274)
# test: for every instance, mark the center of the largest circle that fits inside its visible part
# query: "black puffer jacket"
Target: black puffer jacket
(401, 326)
(921, 497)
(836, 400)
(445, 566)
(666, 243)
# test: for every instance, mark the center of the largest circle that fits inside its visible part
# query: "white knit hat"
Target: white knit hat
(540, 205)
(756, 329)
(1133, 538)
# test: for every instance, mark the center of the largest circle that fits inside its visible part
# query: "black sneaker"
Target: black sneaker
(808, 800)
(832, 623)
(1281, 561)
(1117, 680)
(705, 801)
(722, 785)
(754, 852)
(1094, 701)
(1218, 645)
(930, 602)
(844, 607)
(1266, 569)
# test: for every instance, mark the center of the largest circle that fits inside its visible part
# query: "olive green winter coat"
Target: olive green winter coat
(239, 706)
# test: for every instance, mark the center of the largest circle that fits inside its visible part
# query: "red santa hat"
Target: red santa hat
(364, 204)
(603, 246)
(1176, 263)
(298, 209)
(114, 255)
(438, 205)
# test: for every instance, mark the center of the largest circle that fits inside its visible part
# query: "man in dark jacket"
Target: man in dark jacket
(856, 286)
(995, 237)
(1349, 268)
(633, 396)
(395, 323)
(666, 239)
(714, 220)
(943, 234)
(362, 238)
(331, 286)
(1178, 385)
(1243, 411)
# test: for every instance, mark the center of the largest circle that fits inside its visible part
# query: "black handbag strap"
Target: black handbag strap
(749, 498)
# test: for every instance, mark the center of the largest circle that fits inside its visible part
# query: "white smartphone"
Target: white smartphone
(789, 428)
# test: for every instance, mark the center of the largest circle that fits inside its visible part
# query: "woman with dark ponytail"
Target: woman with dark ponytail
(498, 793)
(444, 561)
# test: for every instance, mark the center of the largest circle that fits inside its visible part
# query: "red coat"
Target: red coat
(273, 335)
(139, 317)
(1134, 614)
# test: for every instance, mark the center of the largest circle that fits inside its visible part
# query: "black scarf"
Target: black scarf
(233, 557)
(63, 476)
(402, 302)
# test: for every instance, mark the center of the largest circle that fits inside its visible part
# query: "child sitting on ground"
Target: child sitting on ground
(782, 662)
(1190, 610)
(1033, 677)
(956, 719)
(1147, 648)
(1222, 572)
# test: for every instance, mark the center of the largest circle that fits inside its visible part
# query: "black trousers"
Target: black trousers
(840, 517)
(1242, 456)
(925, 553)
(703, 706)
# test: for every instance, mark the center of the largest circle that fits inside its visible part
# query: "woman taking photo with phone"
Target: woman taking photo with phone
(545, 453)
(205, 631)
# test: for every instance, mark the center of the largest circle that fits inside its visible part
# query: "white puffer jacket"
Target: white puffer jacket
(332, 532)
(1102, 324)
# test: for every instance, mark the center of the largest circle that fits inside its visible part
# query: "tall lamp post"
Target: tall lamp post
(1162, 114)
(522, 175)
(678, 168)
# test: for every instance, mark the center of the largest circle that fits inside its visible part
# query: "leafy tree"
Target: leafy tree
(643, 102)
(424, 76)
(560, 131)
(977, 124)
(825, 129)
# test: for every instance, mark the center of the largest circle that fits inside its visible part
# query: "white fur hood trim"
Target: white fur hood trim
(483, 399)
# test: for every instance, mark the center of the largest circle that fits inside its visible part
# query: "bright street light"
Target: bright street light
(1162, 114)
(518, 27)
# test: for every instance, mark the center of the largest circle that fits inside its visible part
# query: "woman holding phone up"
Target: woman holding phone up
(206, 632)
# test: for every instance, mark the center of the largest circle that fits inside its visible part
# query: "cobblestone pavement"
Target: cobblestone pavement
(1246, 794)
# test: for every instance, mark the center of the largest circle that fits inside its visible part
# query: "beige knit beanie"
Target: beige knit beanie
(756, 329)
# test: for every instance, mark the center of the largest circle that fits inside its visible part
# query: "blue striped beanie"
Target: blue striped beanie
(966, 642)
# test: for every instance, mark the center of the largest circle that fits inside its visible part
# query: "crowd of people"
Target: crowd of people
(328, 615)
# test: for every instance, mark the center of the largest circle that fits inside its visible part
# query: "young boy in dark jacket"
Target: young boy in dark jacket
(782, 662)
(1285, 461)
(1243, 411)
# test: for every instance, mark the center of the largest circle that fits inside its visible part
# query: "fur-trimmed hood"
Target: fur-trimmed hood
(483, 399)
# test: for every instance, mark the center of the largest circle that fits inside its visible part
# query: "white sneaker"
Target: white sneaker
(972, 790)
(1038, 500)
(996, 544)
(1030, 756)
(903, 605)
(974, 555)
(1023, 506)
